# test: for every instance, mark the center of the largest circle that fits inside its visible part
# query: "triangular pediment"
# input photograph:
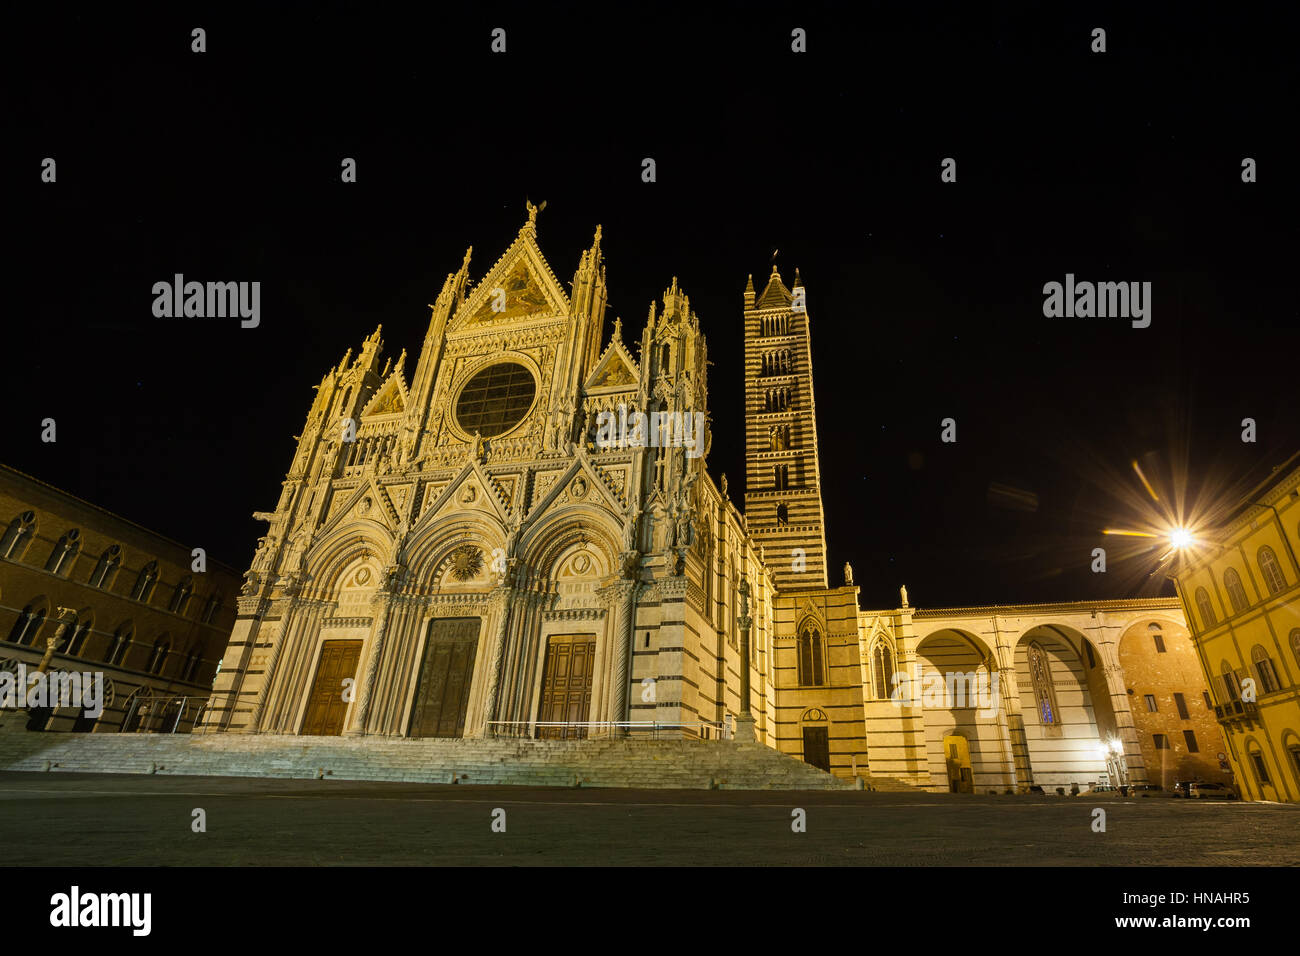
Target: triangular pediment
(580, 483)
(367, 501)
(389, 399)
(519, 288)
(473, 489)
(615, 369)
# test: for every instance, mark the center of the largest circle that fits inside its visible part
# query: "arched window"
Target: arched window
(65, 549)
(782, 514)
(1271, 570)
(159, 655)
(812, 658)
(80, 631)
(121, 641)
(1264, 670)
(1231, 686)
(1236, 593)
(144, 582)
(211, 609)
(882, 670)
(107, 566)
(192, 661)
(1040, 675)
(181, 595)
(28, 625)
(1295, 645)
(17, 536)
(1208, 620)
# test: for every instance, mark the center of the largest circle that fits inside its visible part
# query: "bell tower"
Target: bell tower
(783, 492)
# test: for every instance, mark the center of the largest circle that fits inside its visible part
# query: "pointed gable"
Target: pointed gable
(615, 368)
(389, 398)
(521, 285)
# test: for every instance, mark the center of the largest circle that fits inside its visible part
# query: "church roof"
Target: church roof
(776, 295)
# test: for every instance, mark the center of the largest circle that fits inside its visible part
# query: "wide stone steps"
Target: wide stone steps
(648, 764)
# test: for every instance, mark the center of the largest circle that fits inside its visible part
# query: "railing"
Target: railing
(580, 729)
(155, 712)
(1236, 710)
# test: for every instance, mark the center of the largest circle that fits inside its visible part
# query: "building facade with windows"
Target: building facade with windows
(115, 599)
(461, 550)
(1240, 586)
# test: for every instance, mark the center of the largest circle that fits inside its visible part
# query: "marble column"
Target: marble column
(504, 600)
(362, 710)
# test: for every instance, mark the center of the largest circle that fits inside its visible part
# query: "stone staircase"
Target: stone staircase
(639, 764)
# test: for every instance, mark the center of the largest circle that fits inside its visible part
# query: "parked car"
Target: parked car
(1181, 787)
(1211, 791)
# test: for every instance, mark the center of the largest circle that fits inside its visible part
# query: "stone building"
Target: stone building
(521, 537)
(89, 592)
(1240, 585)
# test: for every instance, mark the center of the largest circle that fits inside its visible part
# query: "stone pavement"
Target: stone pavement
(70, 819)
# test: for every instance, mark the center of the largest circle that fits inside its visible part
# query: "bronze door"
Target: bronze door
(442, 695)
(816, 748)
(566, 684)
(326, 707)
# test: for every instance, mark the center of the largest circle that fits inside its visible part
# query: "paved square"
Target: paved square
(105, 819)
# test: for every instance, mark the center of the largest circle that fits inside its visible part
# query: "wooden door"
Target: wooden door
(326, 707)
(442, 695)
(817, 748)
(566, 684)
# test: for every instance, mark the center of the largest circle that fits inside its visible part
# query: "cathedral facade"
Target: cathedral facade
(520, 537)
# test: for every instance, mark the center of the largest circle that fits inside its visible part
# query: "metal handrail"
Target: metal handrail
(184, 702)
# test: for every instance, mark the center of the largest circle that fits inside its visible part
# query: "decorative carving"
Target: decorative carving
(466, 562)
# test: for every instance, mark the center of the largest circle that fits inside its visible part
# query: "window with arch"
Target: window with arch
(65, 550)
(1236, 593)
(1271, 570)
(812, 657)
(17, 536)
(1259, 765)
(119, 643)
(1040, 676)
(80, 632)
(158, 656)
(1295, 645)
(1231, 686)
(1264, 670)
(144, 583)
(882, 670)
(1206, 609)
(181, 596)
(106, 567)
(212, 608)
(192, 661)
(28, 625)
(782, 514)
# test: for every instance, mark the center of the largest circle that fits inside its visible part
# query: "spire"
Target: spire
(749, 285)
(797, 281)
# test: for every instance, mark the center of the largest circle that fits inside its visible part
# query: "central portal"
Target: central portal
(442, 696)
(566, 685)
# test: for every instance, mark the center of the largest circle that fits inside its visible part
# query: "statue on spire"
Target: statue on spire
(533, 211)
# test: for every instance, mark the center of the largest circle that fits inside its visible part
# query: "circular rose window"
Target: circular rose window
(496, 399)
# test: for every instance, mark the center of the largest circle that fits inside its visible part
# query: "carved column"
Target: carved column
(362, 710)
(503, 598)
(621, 601)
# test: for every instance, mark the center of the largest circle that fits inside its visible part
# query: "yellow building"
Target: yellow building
(1240, 587)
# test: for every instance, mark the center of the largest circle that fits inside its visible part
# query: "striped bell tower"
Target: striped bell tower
(783, 492)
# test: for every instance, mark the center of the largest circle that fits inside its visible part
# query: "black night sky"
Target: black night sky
(925, 298)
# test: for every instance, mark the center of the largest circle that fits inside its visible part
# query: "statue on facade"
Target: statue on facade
(629, 529)
(903, 594)
(722, 484)
(848, 574)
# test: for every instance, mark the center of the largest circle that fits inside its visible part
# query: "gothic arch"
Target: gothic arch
(437, 542)
(328, 560)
